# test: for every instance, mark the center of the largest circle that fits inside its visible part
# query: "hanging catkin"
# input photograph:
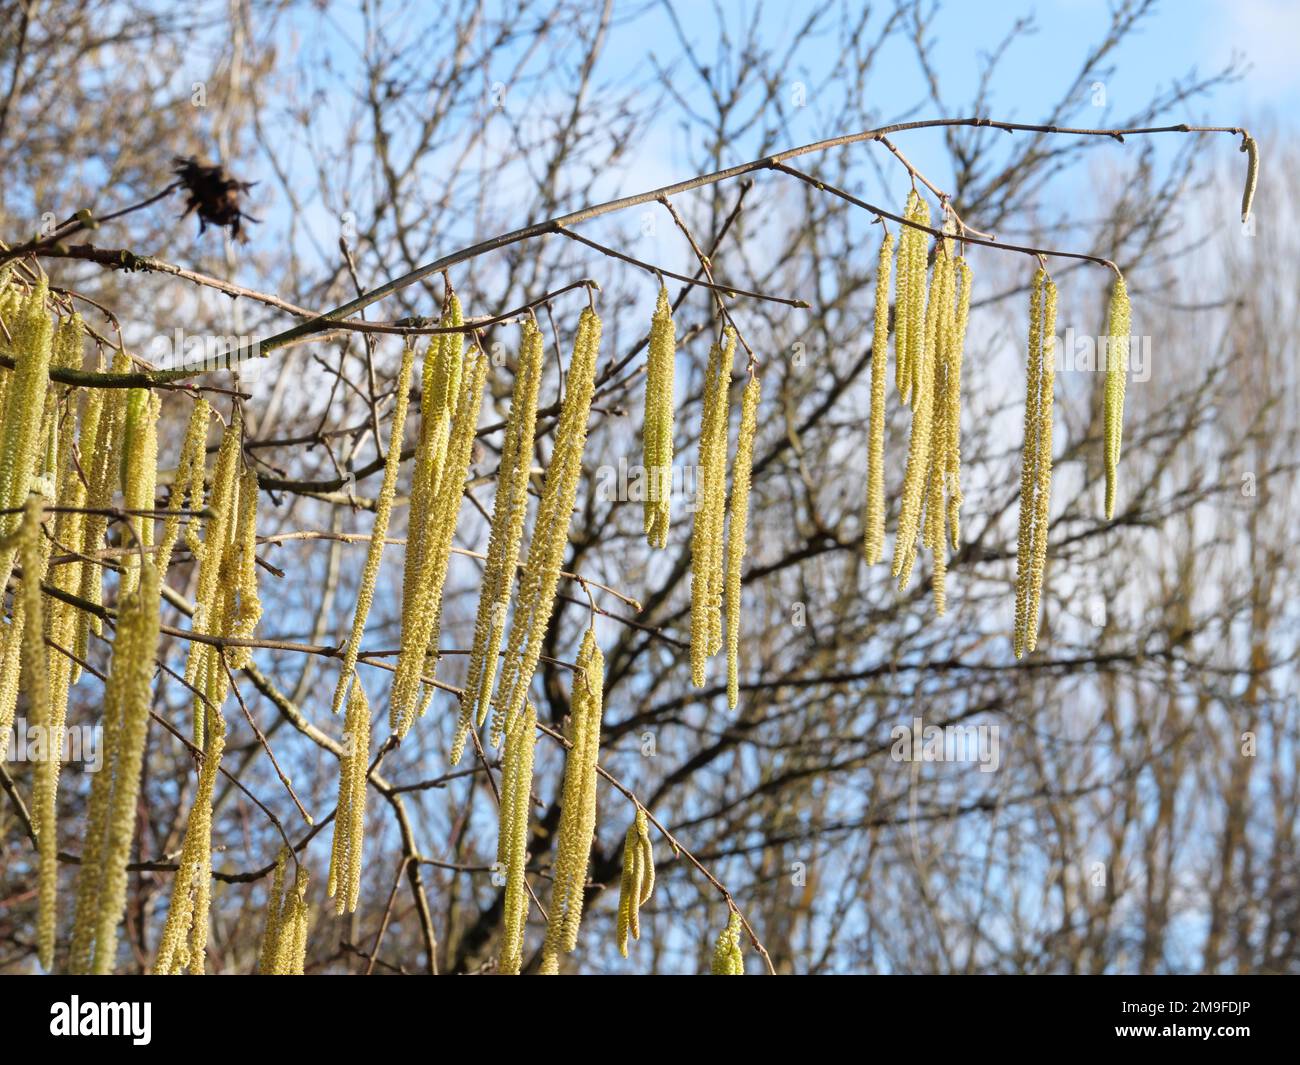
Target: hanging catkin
(101, 447)
(35, 684)
(873, 537)
(423, 617)
(1043, 477)
(952, 415)
(1036, 463)
(541, 573)
(509, 512)
(922, 377)
(112, 814)
(1251, 148)
(378, 534)
(512, 835)
(350, 813)
(188, 482)
(742, 474)
(727, 959)
(577, 805)
(284, 942)
(138, 475)
(1117, 355)
(638, 881)
(213, 597)
(909, 297)
(20, 435)
(658, 423)
(707, 533)
(185, 933)
(440, 387)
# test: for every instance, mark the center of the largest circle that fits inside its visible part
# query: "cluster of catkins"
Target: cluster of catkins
(70, 460)
(929, 338)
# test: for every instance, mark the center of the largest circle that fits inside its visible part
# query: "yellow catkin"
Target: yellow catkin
(909, 299)
(100, 448)
(1043, 475)
(1117, 355)
(945, 414)
(1036, 467)
(378, 533)
(711, 492)
(188, 482)
(20, 436)
(112, 814)
(923, 399)
(1251, 148)
(292, 956)
(638, 881)
(952, 466)
(69, 490)
(440, 387)
(284, 940)
(873, 536)
(139, 475)
(577, 802)
(35, 684)
(541, 573)
(350, 814)
(423, 617)
(185, 932)
(658, 424)
(727, 958)
(274, 916)
(215, 559)
(509, 512)
(512, 835)
(742, 474)
(244, 569)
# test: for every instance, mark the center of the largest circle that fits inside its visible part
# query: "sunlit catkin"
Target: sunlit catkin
(741, 478)
(378, 533)
(727, 959)
(423, 617)
(509, 512)
(284, 940)
(20, 434)
(1043, 476)
(909, 298)
(577, 802)
(350, 812)
(1036, 463)
(138, 475)
(710, 513)
(1251, 148)
(112, 814)
(45, 770)
(923, 400)
(873, 536)
(100, 447)
(185, 932)
(658, 423)
(952, 418)
(215, 560)
(188, 482)
(440, 387)
(512, 835)
(1117, 355)
(541, 573)
(638, 880)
